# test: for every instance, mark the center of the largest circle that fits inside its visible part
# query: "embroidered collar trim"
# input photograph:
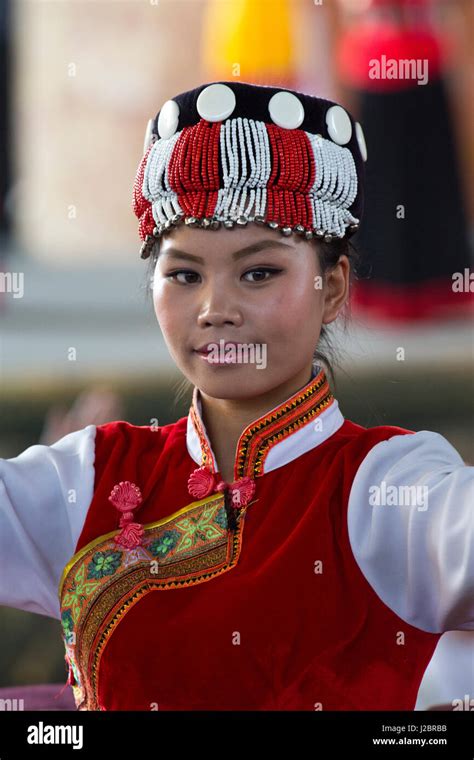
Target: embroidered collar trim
(303, 421)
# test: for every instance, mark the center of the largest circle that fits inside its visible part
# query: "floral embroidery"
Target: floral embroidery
(104, 563)
(163, 545)
(68, 625)
(221, 518)
(77, 591)
(198, 528)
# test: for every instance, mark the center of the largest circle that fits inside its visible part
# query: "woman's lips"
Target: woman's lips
(205, 349)
(218, 359)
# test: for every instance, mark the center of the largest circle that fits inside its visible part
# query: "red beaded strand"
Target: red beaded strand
(290, 178)
(194, 169)
(309, 162)
(177, 171)
(272, 197)
(213, 168)
(141, 206)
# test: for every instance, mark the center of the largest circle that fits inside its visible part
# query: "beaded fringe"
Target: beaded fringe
(248, 174)
(156, 184)
(335, 186)
(245, 155)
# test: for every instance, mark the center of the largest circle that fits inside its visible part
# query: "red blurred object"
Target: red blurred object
(373, 40)
(429, 300)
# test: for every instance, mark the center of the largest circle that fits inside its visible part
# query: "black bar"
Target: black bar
(322, 735)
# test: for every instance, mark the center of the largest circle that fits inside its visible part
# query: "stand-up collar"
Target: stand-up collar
(303, 421)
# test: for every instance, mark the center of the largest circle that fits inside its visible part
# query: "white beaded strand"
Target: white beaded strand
(237, 208)
(238, 151)
(252, 180)
(335, 186)
(156, 186)
(263, 164)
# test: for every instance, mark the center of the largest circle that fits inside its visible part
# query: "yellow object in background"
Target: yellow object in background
(250, 40)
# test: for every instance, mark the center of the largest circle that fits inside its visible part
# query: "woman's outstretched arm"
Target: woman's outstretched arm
(411, 527)
(45, 493)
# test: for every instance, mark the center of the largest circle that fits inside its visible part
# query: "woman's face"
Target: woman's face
(253, 287)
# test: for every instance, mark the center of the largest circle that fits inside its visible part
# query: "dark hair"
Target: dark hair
(325, 353)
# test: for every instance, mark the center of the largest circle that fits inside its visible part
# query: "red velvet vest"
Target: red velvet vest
(272, 613)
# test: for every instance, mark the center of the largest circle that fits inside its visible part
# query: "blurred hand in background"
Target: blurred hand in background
(94, 406)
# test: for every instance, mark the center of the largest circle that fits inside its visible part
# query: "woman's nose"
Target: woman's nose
(220, 307)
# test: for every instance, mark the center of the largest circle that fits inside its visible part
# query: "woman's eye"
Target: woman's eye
(188, 272)
(264, 270)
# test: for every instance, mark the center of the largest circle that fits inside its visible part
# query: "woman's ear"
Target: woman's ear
(336, 289)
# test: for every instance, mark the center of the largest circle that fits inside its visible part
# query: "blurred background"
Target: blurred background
(79, 340)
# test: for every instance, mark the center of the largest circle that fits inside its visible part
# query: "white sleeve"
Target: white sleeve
(45, 493)
(449, 676)
(411, 529)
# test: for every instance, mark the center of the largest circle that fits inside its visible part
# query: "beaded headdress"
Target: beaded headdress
(230, 153)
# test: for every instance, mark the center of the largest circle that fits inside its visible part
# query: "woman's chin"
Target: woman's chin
(230, 380)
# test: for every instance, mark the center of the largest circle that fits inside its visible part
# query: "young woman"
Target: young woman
(263, 552)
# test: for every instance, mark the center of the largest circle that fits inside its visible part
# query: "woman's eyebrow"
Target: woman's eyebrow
(176, 253)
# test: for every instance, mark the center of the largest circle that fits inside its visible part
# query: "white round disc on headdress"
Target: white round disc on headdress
(286, 110)
(216, 102)
(168, 119)
(339, 125)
